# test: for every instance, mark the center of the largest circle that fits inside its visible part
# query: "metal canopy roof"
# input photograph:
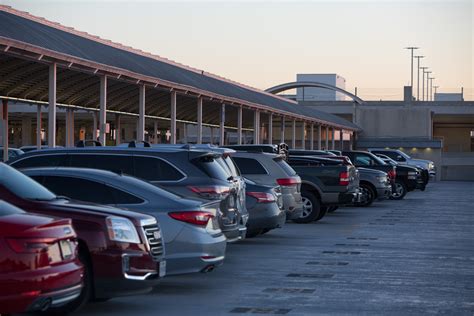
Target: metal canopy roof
(28, 44)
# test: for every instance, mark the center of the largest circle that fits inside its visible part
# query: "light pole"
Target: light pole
(412, 49)
(436, 91)
(418, 78)
(423, 82)
(431, 88)
(427, 84)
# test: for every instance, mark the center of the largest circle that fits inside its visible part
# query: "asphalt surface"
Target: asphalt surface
(414, 256)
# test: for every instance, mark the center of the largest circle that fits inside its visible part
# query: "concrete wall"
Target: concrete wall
(394, 121)
(455, 139)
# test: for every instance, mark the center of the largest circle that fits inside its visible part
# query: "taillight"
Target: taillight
(344, 178)
(30, 245)
(193, 217)
(213, 192)
(392, 174)
(262, 197)
(47, 250)
(288, 181)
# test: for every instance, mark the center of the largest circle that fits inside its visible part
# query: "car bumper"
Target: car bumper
(292, 204)
(348, 197)
(266, 216)
(195, 249)
(384, 193)
(31, 290)
(122, 273)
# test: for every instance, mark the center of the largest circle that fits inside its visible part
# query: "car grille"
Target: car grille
(155, 244)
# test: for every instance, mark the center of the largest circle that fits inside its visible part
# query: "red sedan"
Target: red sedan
(39, 268)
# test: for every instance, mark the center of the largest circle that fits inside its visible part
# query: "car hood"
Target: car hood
(371, 172)
(422, 161)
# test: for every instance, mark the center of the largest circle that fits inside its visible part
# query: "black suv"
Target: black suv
(192, 173)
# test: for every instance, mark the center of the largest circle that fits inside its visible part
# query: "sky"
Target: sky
(266, 43)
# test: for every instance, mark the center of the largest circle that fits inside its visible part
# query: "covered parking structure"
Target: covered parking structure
(50, 65)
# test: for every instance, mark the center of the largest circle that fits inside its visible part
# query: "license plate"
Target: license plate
(162, 268)
(66, 248)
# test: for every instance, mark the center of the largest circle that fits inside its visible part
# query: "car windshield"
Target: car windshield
(378, 159)
(23, 186)
(401, 153)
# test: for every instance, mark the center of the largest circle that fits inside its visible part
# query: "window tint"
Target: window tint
(154, 169)
(42, 161)
(23, 186)
(303, 162)
(391, 154)
(285, 166)
(8, 209)
(114, 163)
(249, 166)
(210, 166)
(361, 160)
(80, 189)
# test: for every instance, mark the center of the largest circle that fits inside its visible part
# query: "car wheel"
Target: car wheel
(322, 213)
(400, 191)
(368, 195)
(332, 209)
(311, 208)
(86, 293)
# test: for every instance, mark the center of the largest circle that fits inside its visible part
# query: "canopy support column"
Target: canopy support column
(333, 141)
(311, 137)
(222, 126)
(4, 128)
(303, 138)
(319, 136)
(173, 118)
(282, 130)
(141, 114)
(341, 140)
(52, 106)
(118, 130)
(199, 121)
(256, 128)
(270, 128)
(293, 135)
(239, 125)
(327, 138)
(38, 127)
(103, 110)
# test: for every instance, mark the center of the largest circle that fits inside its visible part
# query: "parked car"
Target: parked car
(374, 185)
(406, 177)
(188, 172)
(28, 148)
(122, 251)
(12, 153)
(265, 206)
(39, 267)
(403, 159)
(271, 169)
(325, 183)
(193, 240)
(425, 175)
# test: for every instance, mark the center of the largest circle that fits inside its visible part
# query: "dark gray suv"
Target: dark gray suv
(192, 173)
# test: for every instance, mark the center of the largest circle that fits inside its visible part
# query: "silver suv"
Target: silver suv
(272, 169)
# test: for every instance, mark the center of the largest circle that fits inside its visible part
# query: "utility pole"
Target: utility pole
(423, 82)
(436, 91)
(418, 78)
(412, 49)
(431, 88)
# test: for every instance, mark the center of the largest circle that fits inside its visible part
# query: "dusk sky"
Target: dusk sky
(266, 43)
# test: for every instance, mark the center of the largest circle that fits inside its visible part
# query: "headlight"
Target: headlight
(412, 173)
(121, 229)
(382, 179)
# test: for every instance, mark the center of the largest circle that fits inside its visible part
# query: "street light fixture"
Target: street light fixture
(412, 49)
(418, 78)
(427, 84)
(431, 88)
(436, 91)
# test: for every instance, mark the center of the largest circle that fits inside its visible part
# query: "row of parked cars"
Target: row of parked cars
(91, 223)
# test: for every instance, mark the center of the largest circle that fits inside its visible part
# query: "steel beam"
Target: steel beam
(222, 126)
(199, 120)
(52, 106)
(173, 118)
(141, 114)
(103, 110)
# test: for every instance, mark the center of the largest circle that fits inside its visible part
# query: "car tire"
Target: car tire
(369, 193)
(400, 191)
(332, 209)
(265, 230)
(322, 213)
(86, 292)
(311, 208)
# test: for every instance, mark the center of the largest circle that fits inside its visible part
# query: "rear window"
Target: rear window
(8, 209)
(41, 161)
(285, 166)
(211, 167)
(114, 163)
(232, 166)
(249, 166)
(155, 169)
